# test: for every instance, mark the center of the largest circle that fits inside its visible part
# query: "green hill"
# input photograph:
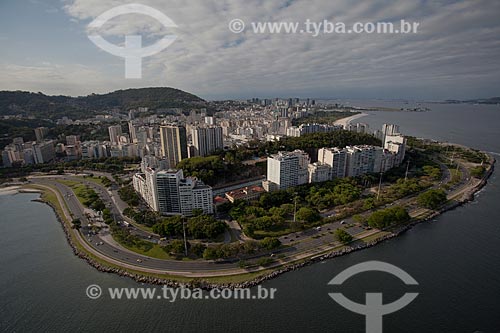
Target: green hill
(43, 106)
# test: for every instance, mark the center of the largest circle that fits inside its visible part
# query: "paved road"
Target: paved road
(301, 244)
(113, 249)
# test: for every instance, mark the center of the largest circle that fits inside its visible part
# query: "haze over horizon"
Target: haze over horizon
(454, 55)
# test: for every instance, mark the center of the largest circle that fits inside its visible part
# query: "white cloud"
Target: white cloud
(456, 51)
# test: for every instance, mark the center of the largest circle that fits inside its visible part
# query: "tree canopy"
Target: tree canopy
(432, 199)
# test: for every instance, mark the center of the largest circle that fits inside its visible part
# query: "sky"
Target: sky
(454, 55)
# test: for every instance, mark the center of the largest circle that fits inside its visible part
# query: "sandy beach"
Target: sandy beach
(345, 121)
(9, 190)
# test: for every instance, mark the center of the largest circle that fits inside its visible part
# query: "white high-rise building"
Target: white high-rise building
(336, 158)
(193, 194)
(360, 160)
(319, 172)
(396, 144)
(207, 140)
(389, 129)
(169, 193)
(288, 169)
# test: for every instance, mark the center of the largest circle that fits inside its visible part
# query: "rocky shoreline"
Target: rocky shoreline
(200, 283)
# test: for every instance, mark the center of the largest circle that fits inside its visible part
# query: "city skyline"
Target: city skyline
(454, 55)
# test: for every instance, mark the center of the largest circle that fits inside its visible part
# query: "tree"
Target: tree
(204, 226)
(308, 215)
(76, 223)
(176, 247)
(388, 217)
(198, 249)
(210, 253)
(432, 172)
(432, 199)
(343, 236)
(129, 195)
(169, 227)
(270, 243)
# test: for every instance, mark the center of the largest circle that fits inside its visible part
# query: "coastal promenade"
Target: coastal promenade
(299, 247)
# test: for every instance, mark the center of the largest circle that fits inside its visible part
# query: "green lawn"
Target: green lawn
(155, 252)
(79, 189)
(96, 180)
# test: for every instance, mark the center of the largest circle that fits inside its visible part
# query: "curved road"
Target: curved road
(301, 244)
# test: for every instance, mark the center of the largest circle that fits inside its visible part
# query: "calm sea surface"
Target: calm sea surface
(455, 259)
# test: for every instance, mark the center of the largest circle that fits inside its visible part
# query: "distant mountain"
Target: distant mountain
(43, 106)
(494, 100)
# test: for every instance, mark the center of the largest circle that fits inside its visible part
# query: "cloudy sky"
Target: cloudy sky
(455, 54)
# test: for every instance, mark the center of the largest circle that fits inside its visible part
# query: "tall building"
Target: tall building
(319, 172)
(194, 194)
(173, 143)
(336, 158)
(41, 133)
(207, 140)
(295, 131)
(361, 160)
(115, 132)
(358, 127)
(169, 193)
(44, 152)
(167, 189)
(389, 129)
(288, 169)
(132, 132)
(396, 144)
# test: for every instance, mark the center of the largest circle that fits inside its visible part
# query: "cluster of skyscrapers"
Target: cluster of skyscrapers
(289, 169)
(27, 153)
(298, 131)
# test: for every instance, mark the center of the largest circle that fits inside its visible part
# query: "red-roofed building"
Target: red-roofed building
(246, 193)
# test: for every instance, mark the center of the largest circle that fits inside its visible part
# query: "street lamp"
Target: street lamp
(379, 185)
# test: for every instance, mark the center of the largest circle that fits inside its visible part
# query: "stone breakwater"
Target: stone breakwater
(200, 283)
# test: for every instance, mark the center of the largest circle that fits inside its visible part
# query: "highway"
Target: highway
(299, 244)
